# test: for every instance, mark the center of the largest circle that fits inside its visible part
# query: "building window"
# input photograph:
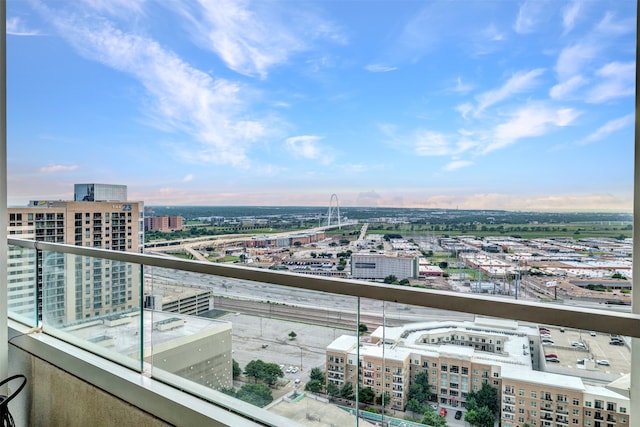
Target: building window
(534, 395)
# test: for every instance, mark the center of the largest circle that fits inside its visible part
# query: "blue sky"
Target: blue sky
(518, 105)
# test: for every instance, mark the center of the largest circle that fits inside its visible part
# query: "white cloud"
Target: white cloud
(610, 26)
(308, 147)
(116, 7)
(564, 89)
(492, 33)
(464, 109)
(618, 80)
(610, 127)
(462, 87)
(253, 37)
(518, 83)
(188, 178)
(529, 16)
(572, 59)
(379, 68)
(16, 27)
(457, 164)
(427, 143)
(535, 119)
(59, 168)
(180, 98)
(570, 15)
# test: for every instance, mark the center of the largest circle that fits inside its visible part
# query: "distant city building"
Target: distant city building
(379, 266)
(75, 288)
(99, 193)
(163, 223)
(460, 356)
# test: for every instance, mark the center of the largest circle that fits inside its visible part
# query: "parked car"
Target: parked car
(592, 333)
(458, 415)
(616, 342)
(603, 362)
(551, 355)
(553, 360)
(443, 412)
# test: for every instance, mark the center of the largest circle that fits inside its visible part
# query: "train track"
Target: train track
(306, 314)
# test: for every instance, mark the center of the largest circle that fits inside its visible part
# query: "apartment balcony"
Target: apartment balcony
(135, 364)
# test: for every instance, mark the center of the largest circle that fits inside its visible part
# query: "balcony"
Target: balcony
(114, 352)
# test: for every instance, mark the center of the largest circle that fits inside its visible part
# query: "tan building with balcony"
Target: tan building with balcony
(71, 289)
(459, 357)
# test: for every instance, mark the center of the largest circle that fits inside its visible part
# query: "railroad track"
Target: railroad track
(325, 316)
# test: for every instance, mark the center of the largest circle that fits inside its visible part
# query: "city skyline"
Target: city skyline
(493, 105)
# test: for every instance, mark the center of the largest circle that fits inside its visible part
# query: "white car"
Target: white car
(603, 362)
(289, 369)
(294, 370)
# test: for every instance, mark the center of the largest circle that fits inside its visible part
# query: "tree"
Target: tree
(430, 418)
(414, 406)
(267, 372)
(292, 335)
(420, 390)
(390, 279)
(314, 386)
(480, 417)
(236, 369)
(383, 399)
(317, 374)
(362, 328)
(256, 394)
(347, 391)
(366, 395)
(404, 282)
(333, 390)
(486, 396)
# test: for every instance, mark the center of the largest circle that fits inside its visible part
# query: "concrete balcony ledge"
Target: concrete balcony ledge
(68, 386)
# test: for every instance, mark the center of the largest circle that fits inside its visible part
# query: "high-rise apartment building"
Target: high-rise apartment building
(74, 288)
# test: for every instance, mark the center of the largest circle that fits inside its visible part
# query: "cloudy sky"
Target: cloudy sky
(505, 104)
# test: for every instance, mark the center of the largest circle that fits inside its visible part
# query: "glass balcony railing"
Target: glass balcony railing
(298, 348)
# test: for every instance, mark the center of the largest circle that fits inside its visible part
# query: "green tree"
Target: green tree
(317, 374)
(383, 399)
(362, 328)
(420, 390)
(480, 417)
(366, 395)
(314, 386)
(430, 418)
(333, 390)
(347, 391)
(236, 369)
(414, 406)
(267, 372)
(292, 335)
(390, 279)
(486, 396)
(256, 394)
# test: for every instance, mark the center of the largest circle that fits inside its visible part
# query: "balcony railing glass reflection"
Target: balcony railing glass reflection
(264, 343)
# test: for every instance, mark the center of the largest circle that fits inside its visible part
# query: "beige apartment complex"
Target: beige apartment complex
(69, 288)
(460, 356)
(163, 223)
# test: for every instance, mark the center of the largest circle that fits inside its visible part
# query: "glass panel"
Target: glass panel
(22, 300)
(271, 346)
(93, 303)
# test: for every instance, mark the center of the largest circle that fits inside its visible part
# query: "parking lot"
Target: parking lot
(596, 347)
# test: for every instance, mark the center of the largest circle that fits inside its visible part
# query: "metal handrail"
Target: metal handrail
(627, 324)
